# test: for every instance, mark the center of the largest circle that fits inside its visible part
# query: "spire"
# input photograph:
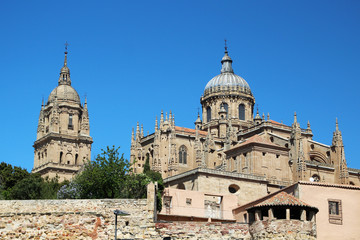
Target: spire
(226, 62)
(268, 116)
(65, 71)
(295, 117)
(257, 117)
(137, 131)
(337, 125)
(142, 131)
(161, 117)
(337, 136)
(85, 103)
(308, 124)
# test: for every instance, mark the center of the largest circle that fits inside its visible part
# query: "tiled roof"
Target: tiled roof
(189, 131)
(323, 184)
(272, 121)
(283, 199)
(256, 139)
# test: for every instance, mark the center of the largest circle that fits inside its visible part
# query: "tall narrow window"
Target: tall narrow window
(76, 158)
(70, 126)
(226, 106)
(61, 156)
(208, 114)
(242, 112)
(182, 154)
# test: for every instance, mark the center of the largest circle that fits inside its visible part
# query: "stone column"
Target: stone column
(303, 215)
(288, 214)
(257, 215)
(271, 214)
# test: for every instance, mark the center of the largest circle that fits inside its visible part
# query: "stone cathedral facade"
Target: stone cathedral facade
(63, 141)
(231, 138)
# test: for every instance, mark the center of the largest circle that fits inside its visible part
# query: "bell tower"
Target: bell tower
(63, 142)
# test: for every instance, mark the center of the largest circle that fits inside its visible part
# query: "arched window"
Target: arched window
(226, 106)
(208, 114)
(315, 178)
(182, 154)
(242, 112)
(70, 125)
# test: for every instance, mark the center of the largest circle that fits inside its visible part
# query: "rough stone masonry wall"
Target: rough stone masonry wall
(201, 230)
(283, 229)
(75, 219)
(94, 219)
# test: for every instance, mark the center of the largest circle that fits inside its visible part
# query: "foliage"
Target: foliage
(9, 176)
(18, 183)
(69, 191)
(105, 177)
(147, 165)
(110, 176)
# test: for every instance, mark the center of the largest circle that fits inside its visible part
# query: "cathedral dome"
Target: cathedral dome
(227, 80)
(64, 93)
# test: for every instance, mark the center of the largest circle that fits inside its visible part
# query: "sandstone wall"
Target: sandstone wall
(94, 219)
(75, 219)
(204, 231)
(283, 229)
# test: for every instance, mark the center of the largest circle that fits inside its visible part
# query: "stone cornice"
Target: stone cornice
(61, 137)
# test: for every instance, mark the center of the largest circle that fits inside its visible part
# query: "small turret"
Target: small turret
(65, 71)
(257, 118)
(198, 122)
(308, 129)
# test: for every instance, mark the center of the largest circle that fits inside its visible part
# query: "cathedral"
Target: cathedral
(63, 141)
(231, 139)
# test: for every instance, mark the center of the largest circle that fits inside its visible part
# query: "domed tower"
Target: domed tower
(227, 99)
(63, 141)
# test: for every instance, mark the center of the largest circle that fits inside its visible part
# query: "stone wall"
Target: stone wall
(283, 229)
(94, 219)
(75, 219)
(205, 231)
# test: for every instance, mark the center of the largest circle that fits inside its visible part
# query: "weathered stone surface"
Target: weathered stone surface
(283, 229)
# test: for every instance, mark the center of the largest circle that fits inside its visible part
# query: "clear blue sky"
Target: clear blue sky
(134, 58)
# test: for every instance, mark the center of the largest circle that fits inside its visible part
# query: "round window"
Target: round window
(233, 188)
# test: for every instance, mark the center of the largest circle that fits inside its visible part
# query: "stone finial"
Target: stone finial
(137, 130)
(337, 125)
(295, 117)
(156, 123)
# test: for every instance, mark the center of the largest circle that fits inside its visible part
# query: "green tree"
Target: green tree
(105, 177)
(9, 176)
(27, 188)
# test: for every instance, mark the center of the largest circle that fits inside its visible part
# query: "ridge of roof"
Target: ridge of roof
(323, 184)
(189, 130)
(283, 199)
